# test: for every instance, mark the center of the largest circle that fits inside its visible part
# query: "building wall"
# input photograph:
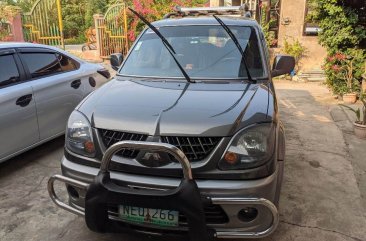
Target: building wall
(294, 12)
(214, 3)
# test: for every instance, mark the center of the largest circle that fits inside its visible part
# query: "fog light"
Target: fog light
(72, 192)
(247, 214)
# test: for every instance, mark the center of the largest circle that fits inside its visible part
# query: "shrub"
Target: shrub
(295, 49)
(81, 39)
(343, 72)
(341, 34)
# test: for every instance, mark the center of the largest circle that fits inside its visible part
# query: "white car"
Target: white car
(39, 87)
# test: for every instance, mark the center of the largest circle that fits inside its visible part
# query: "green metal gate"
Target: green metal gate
(43, 24)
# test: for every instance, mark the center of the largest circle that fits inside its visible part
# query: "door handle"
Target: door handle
(76, 84)
(24, 100)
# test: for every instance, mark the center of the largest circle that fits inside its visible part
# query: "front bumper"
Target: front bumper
(231, 195)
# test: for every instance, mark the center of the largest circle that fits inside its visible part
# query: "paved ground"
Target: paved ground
(321, 197)
(73, 47)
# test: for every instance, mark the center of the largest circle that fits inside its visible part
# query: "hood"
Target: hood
(177, 108)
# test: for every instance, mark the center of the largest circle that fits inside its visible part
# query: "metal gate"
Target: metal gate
(112, 31)
(43, 24)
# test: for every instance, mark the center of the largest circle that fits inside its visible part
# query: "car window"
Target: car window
(67, 64)
(9, 73)
(41, 64)
(203, 51)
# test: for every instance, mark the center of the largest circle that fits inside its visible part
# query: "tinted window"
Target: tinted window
(41, 64)
(67, 64)
(9, 73)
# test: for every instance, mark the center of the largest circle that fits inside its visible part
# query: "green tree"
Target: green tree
(95, 7)
(73, 13)
(341, 34)
(340, 26)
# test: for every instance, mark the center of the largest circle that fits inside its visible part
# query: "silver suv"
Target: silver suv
(186, 139)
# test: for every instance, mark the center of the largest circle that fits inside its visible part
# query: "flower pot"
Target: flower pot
(360, 130)
(350, 98)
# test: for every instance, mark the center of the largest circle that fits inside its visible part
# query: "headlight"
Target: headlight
(249, 148)
(79, 137)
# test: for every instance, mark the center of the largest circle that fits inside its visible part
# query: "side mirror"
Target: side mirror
(283, 64)
(116, 60)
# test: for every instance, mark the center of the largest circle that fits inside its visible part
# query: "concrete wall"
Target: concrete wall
(214, 3)
(294, 12)
(17, 28)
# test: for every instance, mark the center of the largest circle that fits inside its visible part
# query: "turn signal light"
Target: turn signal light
(89, 147)
(231, 158)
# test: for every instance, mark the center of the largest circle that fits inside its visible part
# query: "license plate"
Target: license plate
(149, 216)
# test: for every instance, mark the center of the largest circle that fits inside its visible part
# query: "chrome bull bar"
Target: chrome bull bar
(107, 157)
(187, 174)
(57, 200)
(148, 146)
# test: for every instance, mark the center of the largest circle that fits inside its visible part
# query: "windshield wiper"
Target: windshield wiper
(165, 43)
(235, 40)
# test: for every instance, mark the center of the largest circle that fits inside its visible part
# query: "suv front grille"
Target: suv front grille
(110, 137)
(195, 148)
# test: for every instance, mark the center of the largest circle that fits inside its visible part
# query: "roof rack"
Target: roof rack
(199, 11)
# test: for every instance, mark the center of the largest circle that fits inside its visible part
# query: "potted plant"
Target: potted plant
(360, 123)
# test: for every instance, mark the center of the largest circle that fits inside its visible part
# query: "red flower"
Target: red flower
(336, 68)
(340, 56)
(331, 58)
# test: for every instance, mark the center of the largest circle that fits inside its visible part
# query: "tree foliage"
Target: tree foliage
(340, 26)
(73, 13)
(7, 11)
(154, 10)
(341, 34)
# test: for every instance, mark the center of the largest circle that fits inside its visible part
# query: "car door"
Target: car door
(57, 87)
(18, 119)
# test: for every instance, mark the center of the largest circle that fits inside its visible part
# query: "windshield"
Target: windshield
(203, 51)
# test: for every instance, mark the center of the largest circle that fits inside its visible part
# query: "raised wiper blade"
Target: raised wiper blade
(235, 40)
(166, 44)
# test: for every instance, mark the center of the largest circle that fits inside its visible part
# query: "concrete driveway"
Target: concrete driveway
(321, 199)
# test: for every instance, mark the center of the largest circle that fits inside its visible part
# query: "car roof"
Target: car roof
(9, 45)
(206, 20)
(6, 45)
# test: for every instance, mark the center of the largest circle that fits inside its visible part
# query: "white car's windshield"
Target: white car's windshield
(203, 51)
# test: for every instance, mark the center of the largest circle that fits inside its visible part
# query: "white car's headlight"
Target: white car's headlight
(79, 138)
(249, 148)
